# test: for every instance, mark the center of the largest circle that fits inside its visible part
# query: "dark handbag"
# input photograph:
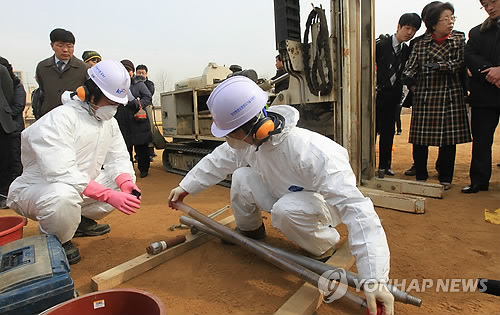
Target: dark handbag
(37, 97)
(141, 114)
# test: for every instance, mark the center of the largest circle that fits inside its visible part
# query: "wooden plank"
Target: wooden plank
(136, 266)
(402, 186)
(412, 204)
(308, 298)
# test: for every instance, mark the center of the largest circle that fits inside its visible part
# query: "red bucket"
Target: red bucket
(11, 229)
(111, 302)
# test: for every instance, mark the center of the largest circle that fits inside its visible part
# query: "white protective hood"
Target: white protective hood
(69, 145)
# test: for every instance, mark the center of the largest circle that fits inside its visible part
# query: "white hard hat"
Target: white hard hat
(234, 102)
(112, 78)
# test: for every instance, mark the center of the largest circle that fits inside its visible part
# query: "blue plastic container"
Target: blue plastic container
(34, 275)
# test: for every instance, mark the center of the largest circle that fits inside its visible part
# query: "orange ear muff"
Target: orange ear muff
(83, 93)
(263, 128)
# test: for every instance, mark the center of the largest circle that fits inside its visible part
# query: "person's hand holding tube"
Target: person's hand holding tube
(176, 195)
(378, 292)
(122, 201)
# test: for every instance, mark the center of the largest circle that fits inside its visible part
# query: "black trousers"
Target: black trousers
(142, 151)
(5, 162)
(398, 119)
(387, 104)
(445, 164)
(484, 121)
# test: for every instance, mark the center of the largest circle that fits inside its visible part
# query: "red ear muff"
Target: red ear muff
(262, 128)
(83, 93)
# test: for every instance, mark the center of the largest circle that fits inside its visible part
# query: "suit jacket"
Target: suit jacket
(54, 83)
(481, 52)
(6, 93)
(386, 59)
(439, 116)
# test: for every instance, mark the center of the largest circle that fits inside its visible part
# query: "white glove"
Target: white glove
(378, 292)
(176, 195)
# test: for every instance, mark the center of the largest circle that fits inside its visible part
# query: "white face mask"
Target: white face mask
(105, 112)
(237, 144)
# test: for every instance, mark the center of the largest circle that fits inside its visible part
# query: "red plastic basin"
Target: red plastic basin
(11, 229)
(111, 302)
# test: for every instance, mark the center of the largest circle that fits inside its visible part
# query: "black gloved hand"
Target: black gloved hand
(431, 66)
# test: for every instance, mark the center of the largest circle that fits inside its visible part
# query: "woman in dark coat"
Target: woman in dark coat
(434, 72)
(137, 133)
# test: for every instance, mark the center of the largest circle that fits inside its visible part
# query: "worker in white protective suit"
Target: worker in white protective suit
(76, 165)
(301, 177)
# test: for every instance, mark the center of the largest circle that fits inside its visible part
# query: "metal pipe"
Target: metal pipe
(157, 247)
(314, 265)
(254, 247)
(280, 78)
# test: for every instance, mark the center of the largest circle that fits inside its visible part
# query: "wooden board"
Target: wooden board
(136, 266)
(412, 204)
(402, 186)
(308, 298)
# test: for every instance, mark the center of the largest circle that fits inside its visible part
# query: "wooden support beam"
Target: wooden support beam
(413, 204)
(402, 186)
(308, 298)
(136, 266)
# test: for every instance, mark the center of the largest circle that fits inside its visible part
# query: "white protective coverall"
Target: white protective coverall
(306, 182)
(61, 153)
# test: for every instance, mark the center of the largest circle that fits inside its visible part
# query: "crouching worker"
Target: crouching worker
(301, 177)
(76, 165)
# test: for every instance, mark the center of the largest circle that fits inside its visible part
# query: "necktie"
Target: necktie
(60, 65)
(397, 65)
(397, 49)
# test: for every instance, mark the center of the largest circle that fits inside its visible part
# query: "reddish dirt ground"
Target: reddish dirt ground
(450, 241)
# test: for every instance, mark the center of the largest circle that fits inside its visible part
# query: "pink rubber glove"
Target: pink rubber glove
(126, 184)
(124, 202)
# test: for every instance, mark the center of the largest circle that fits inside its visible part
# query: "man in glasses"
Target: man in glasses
(482, 57)
(60, 72)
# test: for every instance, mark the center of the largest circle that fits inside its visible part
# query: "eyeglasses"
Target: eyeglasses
(243, 139)
(95, 60)
(449, 19)
(64, 45)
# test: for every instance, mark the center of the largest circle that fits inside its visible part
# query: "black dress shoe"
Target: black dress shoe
(472, 189)
(389, 172)
(411, 171)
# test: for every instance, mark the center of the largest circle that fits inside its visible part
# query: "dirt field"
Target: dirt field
(450, 241)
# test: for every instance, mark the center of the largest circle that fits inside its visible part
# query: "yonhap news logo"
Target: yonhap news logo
(333, 284)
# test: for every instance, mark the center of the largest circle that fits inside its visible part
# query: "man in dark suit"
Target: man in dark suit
(482, 58)
(280, 70)
(391, 56)
(60, 72)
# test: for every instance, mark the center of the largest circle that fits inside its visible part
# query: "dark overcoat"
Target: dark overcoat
(54, 82)
(135, 132)
(439, 115)
(482, 52)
